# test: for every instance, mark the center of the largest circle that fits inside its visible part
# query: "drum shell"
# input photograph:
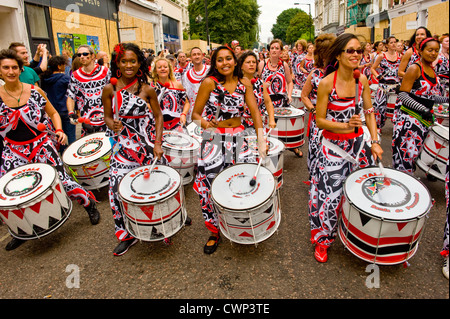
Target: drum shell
(384, 234)
(258, 218)
(155, 221)
(434, 153)
(93, 173)
(182, 160)
(251, 226)
(383, 242)
(391, 100)
(441, 117)
(290, 129)
(274, 159)
(40, 215)
(297, 100)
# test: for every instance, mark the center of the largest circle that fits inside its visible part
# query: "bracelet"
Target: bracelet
(157, 142)
(376, 142)
(368, 111)
(59, 130)
(183, 114)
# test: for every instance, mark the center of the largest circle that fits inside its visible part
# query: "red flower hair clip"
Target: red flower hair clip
(119, 49)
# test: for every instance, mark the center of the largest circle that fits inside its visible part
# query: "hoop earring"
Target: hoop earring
(118, 73)
(139, 73)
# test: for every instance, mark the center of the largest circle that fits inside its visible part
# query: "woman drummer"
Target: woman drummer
(171, 94)
(309, 96)
(277, 74)
(247, 66)
(22, 108)
(218, 109)
(343, 147)
(412, 55)
(385, 69)
(135, 123)
(419, 91)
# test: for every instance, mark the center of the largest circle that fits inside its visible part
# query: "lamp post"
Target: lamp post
(310, 24)
(207, 27)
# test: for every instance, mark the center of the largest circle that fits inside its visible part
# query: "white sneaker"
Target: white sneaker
(445, 268)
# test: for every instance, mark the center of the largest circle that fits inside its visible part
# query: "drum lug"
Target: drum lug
(406, 264)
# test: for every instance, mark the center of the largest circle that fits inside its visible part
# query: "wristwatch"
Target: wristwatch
(376, 142)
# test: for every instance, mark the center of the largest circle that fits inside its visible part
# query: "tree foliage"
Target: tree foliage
(299, 28)
(279, 29)
(228, 20)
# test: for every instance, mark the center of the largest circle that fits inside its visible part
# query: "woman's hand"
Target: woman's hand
(272, 124)
(213, 124)
(157, 151)
(62, 138)
(183, 119)
(377, 151)
(262, 148)
(117, 126)
(355, 121)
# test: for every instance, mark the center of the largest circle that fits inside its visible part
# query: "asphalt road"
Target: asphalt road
(76, 261)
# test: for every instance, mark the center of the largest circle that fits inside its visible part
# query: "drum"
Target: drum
(195, 131)
(153, 205)
(290, 126)
(297, 99)
(391, 99)
(434, 153)
(274, 158)
(247, 214)
(88, 159)
(381, 222)
(33, 202)
(441, 113)
(181, 152)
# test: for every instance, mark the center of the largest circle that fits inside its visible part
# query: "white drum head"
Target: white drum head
(287, 112)
(404, 199)
(138, 188)
(87, 149)
(275, 145)
(179, 141)
(231, 188)
(25, 183)
(441, 131)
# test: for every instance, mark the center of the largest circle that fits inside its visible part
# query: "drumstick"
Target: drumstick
(386, 180)
(41, 127)
(356, 75)
(253, 180)
(116, 111)
(147, 173)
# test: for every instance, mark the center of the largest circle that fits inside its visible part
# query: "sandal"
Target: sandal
(211, 244)
(297, 152)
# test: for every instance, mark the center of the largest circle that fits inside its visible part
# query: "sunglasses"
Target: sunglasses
(83, 54)
(351, 51)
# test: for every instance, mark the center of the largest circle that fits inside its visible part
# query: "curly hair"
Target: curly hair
(12, 55)
(118, 52)
(322, 44)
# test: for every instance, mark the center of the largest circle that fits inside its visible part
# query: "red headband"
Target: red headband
(425, 41)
